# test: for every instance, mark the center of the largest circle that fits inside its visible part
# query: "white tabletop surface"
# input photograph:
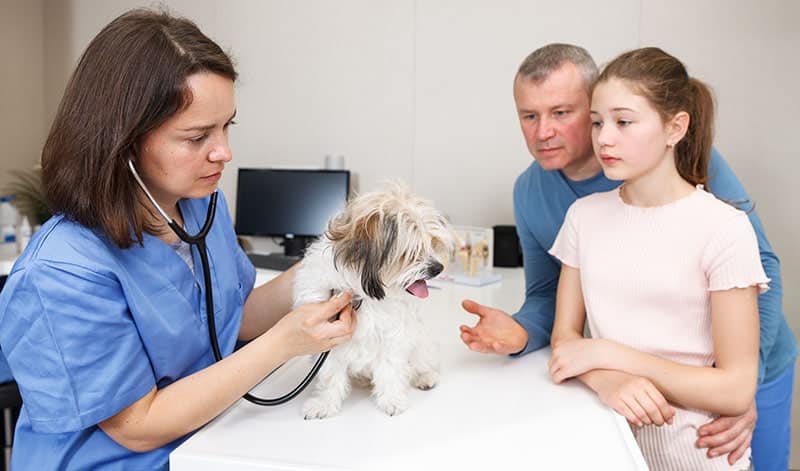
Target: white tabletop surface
(488, 412)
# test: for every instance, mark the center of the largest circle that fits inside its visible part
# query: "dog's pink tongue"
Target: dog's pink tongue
(419, 289)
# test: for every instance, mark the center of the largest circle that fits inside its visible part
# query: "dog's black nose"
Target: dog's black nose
(433, 269)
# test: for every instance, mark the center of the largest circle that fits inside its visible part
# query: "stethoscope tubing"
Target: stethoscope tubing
(199, 240)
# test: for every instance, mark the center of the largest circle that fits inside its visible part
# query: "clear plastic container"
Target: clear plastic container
(8, 228)
(24, 233)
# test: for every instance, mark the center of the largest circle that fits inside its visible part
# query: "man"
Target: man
(552, 96)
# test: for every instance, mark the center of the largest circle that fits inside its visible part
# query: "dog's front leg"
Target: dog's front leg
(390, 380)
(425, 364)
(330, 389)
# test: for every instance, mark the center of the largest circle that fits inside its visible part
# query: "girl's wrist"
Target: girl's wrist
(607, 354)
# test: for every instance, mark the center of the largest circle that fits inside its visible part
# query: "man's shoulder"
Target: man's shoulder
(535, 177)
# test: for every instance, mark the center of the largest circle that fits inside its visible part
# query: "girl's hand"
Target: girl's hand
(314, 328)
(634, 397)
(571, 358)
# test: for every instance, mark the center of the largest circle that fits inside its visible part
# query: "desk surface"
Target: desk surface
(488, 412)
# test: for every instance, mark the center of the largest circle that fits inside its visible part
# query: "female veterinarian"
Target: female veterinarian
(103, 317)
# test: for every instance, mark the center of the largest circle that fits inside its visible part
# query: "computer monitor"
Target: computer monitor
(293, 204)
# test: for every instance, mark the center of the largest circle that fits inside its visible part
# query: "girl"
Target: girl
(666, 274)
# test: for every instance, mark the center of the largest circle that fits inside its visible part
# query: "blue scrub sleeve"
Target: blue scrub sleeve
(73, 346)
(725, 186)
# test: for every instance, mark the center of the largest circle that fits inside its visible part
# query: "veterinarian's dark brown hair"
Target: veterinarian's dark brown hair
(129, 81)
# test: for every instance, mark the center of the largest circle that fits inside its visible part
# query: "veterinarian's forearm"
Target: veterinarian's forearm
(267, 304)
(187, 404)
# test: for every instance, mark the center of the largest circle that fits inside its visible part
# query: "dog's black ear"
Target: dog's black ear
(379, 249)
(367, 249)
(371, 274)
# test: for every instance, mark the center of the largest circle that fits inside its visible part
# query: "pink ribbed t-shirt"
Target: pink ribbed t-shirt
(646, 274)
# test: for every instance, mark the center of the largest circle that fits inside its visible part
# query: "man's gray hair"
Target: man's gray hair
(545, 60)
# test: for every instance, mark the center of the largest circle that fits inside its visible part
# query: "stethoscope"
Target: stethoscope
(199, 240)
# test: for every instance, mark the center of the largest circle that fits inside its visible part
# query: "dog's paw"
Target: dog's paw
(426, 380)
(317, 408)
(395, 406)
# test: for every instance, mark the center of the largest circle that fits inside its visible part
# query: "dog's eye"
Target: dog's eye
(437, 245)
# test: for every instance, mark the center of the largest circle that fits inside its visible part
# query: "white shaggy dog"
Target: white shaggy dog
(382, 248)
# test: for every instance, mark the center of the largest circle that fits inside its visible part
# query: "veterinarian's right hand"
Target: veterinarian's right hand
(495, 332)
(312, 328)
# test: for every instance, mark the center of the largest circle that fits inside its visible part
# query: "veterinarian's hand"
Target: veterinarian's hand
(633, 397)
(728, 435)
(313, 328)
(495, 332)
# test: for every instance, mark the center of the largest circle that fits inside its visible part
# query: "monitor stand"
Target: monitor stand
(296, 246)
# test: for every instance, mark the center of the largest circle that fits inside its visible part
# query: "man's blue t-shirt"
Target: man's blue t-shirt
(541, 200)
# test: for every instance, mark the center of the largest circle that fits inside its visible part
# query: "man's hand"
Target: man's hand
(633, 397)
(728, 435)
(495, 332)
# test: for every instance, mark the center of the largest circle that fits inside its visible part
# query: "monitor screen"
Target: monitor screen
(293, 203)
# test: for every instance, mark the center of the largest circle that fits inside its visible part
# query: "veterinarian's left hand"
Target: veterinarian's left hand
(575, 357)
(312, 328)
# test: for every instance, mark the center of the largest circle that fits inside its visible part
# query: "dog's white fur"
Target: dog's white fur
(376, 248)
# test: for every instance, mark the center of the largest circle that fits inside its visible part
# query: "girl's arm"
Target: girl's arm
(570, 308)
(266, 304)
(166, 414)
(726, 389)
(633, 397)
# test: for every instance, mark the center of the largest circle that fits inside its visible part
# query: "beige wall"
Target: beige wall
(22, 127)
(421, 90)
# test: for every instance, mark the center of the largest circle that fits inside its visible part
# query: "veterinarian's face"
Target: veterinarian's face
(184, 157)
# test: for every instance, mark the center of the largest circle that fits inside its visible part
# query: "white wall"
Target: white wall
(421, 90)
(747, 52)
(22, 123)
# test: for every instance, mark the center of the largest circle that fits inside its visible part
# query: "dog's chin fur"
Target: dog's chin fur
(380, 245)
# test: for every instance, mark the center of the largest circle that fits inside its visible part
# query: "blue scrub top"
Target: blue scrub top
(89, 328)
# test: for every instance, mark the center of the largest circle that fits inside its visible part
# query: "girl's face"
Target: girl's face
(628, 135)
(184, 157)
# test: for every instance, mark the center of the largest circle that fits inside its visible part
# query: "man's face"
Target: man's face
(554, 117)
